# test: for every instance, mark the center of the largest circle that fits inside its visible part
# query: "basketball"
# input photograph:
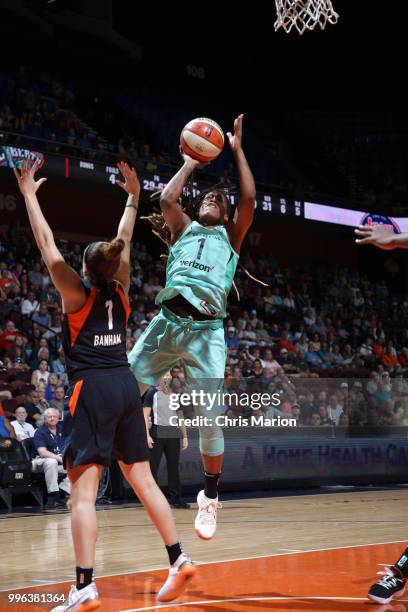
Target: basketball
(202, 139)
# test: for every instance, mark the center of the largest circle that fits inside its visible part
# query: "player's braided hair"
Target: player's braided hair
(191, 208)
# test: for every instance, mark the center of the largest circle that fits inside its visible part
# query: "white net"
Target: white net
(304, 14)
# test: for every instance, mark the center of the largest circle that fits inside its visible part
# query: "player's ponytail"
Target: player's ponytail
(113, 249)
(102, 260)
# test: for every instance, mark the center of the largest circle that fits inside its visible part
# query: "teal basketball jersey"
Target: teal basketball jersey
(201, 267)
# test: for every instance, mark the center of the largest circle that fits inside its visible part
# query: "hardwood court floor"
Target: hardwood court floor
(312, 552)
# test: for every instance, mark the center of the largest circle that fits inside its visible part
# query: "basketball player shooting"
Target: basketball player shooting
(394, 579)
(203, 256)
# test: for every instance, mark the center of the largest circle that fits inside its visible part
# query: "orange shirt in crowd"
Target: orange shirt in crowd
(390, 361)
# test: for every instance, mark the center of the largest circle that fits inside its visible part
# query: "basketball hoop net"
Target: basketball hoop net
(304, 14)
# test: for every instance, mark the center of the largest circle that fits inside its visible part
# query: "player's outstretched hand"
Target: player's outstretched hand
(26, 177)
(235, 139)
(131, 184)
(377, 235)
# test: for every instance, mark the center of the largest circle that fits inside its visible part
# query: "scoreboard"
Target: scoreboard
(102, 173)
(267, 203)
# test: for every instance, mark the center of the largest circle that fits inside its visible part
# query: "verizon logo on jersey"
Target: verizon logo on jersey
(196, 264)
(108, 340)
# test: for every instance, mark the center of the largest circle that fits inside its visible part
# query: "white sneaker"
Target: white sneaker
(178, 579)
(206, 520)
(84, 600)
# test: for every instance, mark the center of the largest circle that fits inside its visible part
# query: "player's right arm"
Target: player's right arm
(177, 220)
(65, 278)
(381, 237)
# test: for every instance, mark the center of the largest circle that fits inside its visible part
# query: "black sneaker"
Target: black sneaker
(387, 588)
(54, 501)
(50, 503)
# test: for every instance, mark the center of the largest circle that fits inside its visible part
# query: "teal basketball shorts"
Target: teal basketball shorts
(198, 345)
(200, 348)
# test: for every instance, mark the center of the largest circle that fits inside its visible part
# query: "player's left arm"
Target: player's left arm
(239, 226)
(131, 185)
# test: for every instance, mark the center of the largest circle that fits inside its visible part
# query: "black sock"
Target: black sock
(402, 565)
(84, 576)
(174, 551)
(211, 485)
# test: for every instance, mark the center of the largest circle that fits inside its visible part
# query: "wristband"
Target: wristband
(131, 206)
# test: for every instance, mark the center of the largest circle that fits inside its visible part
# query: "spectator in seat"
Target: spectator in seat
(276, 334)
(49, 444)
(18, 355)
(344, 420)
(139, 314)
(389, 358)
(45, 278)
(58, 365)
(249, 335)
(43, 403)
(35, 277)
(53, 383)
(286, 361)
(335, 408)
(270, 363)
(262, 336)
(42, 316)
(325, 420)
(58, 401)
(41, 375)
(231, 339)
(55, 327)
(43, 354)
(315, 420)
(34, 414)
(50, 297)
(297, 414)
(22, 429)
(8, 282)
(29, 305)
(8, 336)
(140, 330)
(313, 358)
(285, 343)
